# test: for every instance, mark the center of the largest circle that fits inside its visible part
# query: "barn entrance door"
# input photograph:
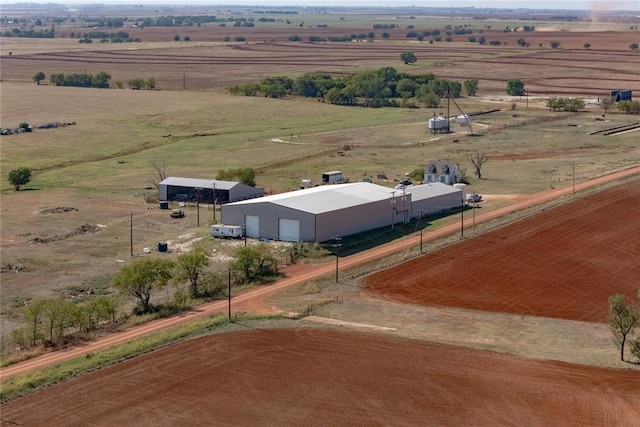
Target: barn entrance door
(289, 230)
(253, 226)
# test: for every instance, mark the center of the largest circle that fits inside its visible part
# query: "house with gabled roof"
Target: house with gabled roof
(444, 171)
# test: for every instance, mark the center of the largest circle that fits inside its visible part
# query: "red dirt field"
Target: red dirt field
(317, 377)
(562, 263)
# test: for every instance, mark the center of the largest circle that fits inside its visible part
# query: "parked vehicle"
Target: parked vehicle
(226, 231)
(177, 213)
(474, 198)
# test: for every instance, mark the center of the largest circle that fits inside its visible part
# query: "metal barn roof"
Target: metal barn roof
(198, 183)
(426, 191)
(327, 198)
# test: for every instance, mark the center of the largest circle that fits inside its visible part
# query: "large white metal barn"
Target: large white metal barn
(205, 190)
(321, 213)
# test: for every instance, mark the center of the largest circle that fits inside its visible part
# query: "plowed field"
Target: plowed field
(563, 263)
(208, 62)
(325, 378)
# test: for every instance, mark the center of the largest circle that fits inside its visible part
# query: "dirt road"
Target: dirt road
(306, 273)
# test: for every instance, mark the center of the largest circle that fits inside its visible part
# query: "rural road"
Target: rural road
(253, 299)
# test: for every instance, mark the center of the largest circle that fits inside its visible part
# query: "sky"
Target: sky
(529, 4)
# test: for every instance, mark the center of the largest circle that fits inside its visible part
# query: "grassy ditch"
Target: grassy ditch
(32, 381)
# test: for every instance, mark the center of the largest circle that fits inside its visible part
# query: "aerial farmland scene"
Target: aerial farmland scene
(321, 215)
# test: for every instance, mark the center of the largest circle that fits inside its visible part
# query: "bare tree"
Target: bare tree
(160, 169)
(607, 102)
(477, 160)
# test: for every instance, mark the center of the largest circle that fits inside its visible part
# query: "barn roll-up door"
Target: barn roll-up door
(289, 230)
(253, 226)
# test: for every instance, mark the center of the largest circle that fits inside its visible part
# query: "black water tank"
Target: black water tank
(164, 205)
(163, 247)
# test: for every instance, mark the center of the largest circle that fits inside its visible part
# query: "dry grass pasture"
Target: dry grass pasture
(101, 167)
(102, 164)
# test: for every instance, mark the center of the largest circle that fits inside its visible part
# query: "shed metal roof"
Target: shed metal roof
(434, 189)
(198, 183)
(327, 198)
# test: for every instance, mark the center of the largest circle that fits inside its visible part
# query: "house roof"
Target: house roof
(199, 183)
(327, 198)
(441, 166)
(434, 189)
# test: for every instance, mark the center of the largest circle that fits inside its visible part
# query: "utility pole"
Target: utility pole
(393, 207)
(462, 218)
(229, 295)
(420, 225)
(474, 217)
(214, 202)
(131, 232)
(336, 247)
(198, 212)
(574, 178)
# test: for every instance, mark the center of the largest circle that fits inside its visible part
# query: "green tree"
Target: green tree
(371, 87)
(136, 83)
(470, 87)
(408, 57)
(56, 315)
(305, 85)
(417, 175)
(430, 99)
(406, 88)
(19, 177)
(482, 40)
(515, 88)
(623, 317)
(587, 45)
(176, 38)
(190, 266)
(38, 77)
(32, 318)
(214, 284)
(633, 46)
(105, 308)
(554, 44)
(101, 80)
(140, 278)
(253, 264)
(150, 83)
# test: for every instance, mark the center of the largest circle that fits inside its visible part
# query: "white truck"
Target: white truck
(226, 231)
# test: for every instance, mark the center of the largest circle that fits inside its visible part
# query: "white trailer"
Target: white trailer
(332, 177)
(226, 231)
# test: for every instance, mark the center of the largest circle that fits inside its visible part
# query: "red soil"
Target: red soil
(562, 263)
(317, 377)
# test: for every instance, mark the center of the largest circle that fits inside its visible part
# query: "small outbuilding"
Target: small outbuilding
(205, 190)
(427, 199)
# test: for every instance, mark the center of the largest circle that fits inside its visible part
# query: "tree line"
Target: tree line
(100, 80)
(30, 33)
(54, 321)
(372, 88)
